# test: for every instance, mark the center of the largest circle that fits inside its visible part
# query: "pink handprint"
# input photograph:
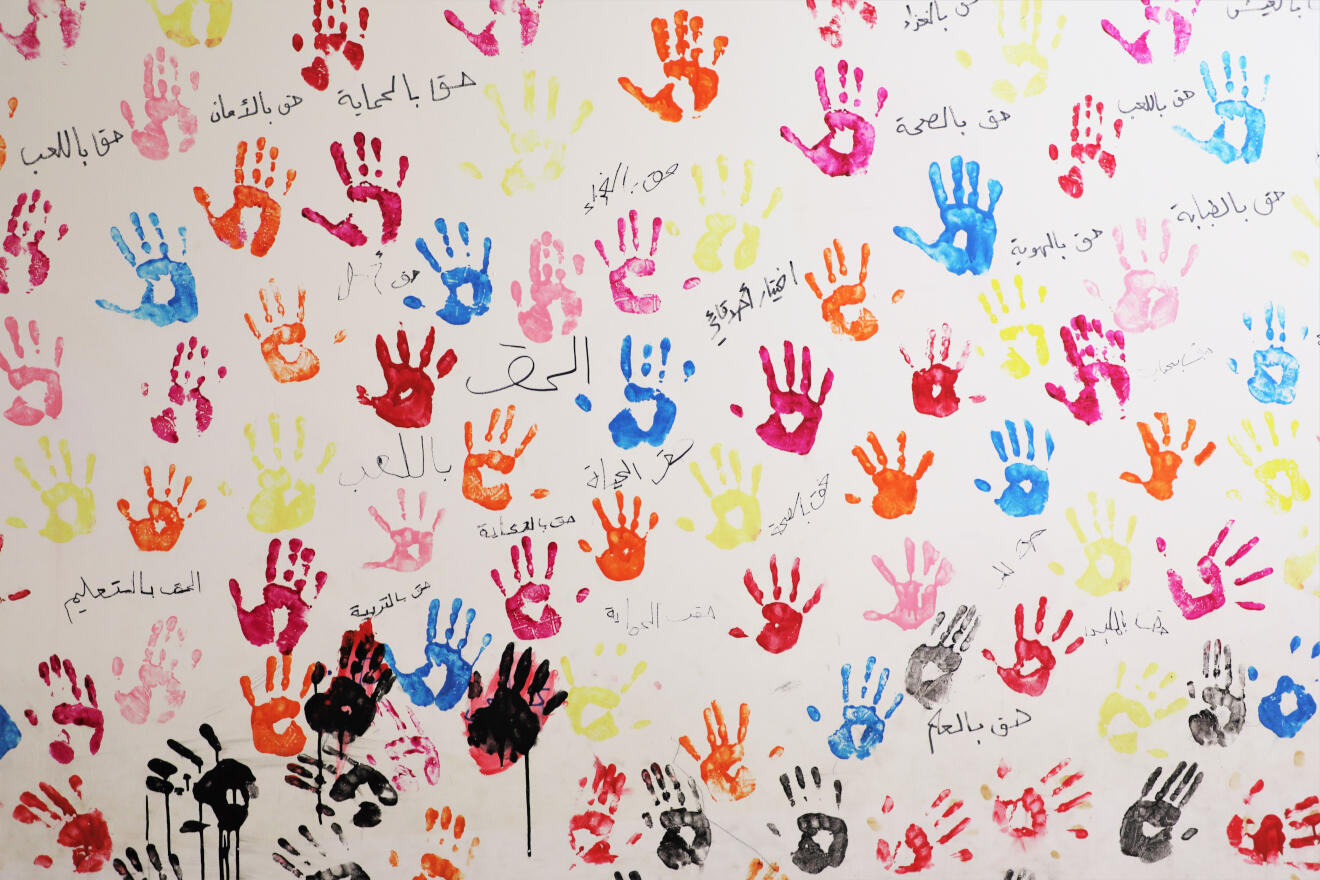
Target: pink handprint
(1150, 296)
(916, 601)
(164, 425)
(1034, 660)
(407, 745)
(1084, 148)
(485, 41)
(412, 547)
(1193, 607)
(367, 189)
(642, 267)
(830, 30)
(21, 375)
(328, 40)
(862, 133)
(162, 104)
(28, 44)
(1170, 11)
(547, 287)
(1091, 367)
(530, 594)
(153, 674)
(787, 402)
(72, 712)
(932, 386)
(783, 622)
(23, 239)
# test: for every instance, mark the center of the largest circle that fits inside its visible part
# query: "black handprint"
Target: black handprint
(505, 722)
(135, 864)
(344, 870)
(309, 774)
(675, 850)
(946, 654)
(226, 789)
(348, 707)
(1218, 694)
(1162, 812)
(810, 856)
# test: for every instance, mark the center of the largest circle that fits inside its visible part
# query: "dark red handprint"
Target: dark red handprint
(1092, 366)
(406, 402)
(367, 189)
(530, 594)
(23, 239)
(787, 402)
(783, 622)
(932, 386)
(60, 674)
(165, 425)
(330, 37)
(504, 720)
(1034, 660)
(84, 834)
(282, 594)
(1084, 148)
(1208, 568)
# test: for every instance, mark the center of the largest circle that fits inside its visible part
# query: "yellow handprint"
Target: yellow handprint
(1269, 473)
(1014, 363)
(580, 697)
(719, 224)
(1298, 568)
(1103, 552)
(726, 535)
(178, 24)
(1137, 708)
(269, 511)
(1302, 258)
(57, 528)
(1026, 53)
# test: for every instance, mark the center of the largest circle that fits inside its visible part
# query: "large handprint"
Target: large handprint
(787, 402)
(862, 133)
(283, 593)
(496, 497)
(530, 594)
(162, 104)
(182, 305)
(256, 194)
(446, 656)
(369, 188)
(22, 375)
(1233, 107)
(1170, 11)
(683, 64)
(961, 215)
(783, 622)
(408, 395)
(916, 601)
(1211, 575)
(504, 719)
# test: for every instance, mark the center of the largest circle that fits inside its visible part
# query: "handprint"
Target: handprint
(369, 188)
(1170, 11)
(27, 42)
(454, 310)
(496, 497)
(1164, 461)
(1014, 500)
(406, 746)
(783, 622)
(153, 675)
(895, 488)
(787, 402)
(529, 593)
(1267, 473)
(408, 395)
(1014, 363)
(21, 375)
(57, 528)
(1093, 363)
(1276, 368)
(946, 823)
(182, 304)
(328, 41)
(717, 768)
(228, 227)
(445, 656)
(305, 364)
(719, 224)
(1025, 818)
(283, 593)
(1084, 148)
(1150, 295)
(504, 720)
(164, 425)
(82, 831)
(177, 24)
(361, 785)
(839, 119)
(1266, 841)
(933, 393)
(864, 326)
(265, 738)
(961, 215)
(1108, 561)
(1217, 695)
(636, 265)
(153, 860)
(945, 655)
(1141, 708)
(348, 706)
(725, 535)
(1027, 53)
(1234, 106)
(162, 103)
(269, 510)
(676, 816)
(683, 64)
(583, 697)
(73, 712)
(412, 547)
(829, 32)
(1034, 660)
(862, 729)
(589, 831)
(624, 556)
(339, 866)
(624, 429)
(915, 601)
(1287, 725)
(485, 41)
(1211, 575)
(809, 855)
(536, 322)
(1160, 813)
(23, 237)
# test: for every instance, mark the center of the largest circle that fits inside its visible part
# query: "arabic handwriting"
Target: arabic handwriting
(388, 601)
(1225, 205)
(653, 618)
(137, 586)
(252, 105)
(526, 365)
(383, 460)
(68, 144)
(1082, 242)
(1116, 625)
(599, 478)
(772, 287)
(439, 91)
(932, 14)
(815, 501)
(942, 119)
(611, 184)
(1195, 353)
(1024, 547)
(937, 726)
(351, 274)
(528, 525)
(1269, 7)
(1152, 103)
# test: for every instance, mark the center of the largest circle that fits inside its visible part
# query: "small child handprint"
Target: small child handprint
(599, 698)
(1108, 560)
(1212, 576)
(1220, 722)
(228, 227)
(726, 535)
(284, 591)
(1093, 362)
(81, 830)
(530, 593)
(155, 270)
(840, 119)
(915, 601)
(1150, 295)
(1170, 11)
(625, 430)
(26, 231)
(57, 528)
(783, 622)
(61, 676)
(270, 509)
(485, 41)
(455, 310)
(162, 103)
(447, 657)
(1286, 710)
(788, 402)
(1233, 107)
(895, 488)
(177, 24)
(1164, 461)
(369, 188)
(1034, 660)
(498, 496)
(291, 334)
(864, 325)
(717, 768)
(546, 288)
(1272, 474)
(1143, 703)
(933, 391)
(964, 215)
(1014, 363)
(1084, 148)
(330, 37)
(161, 528)
(636, 265)
(1015, 500)
(862, 729)
(154, 675)
(710, 246)
(1276, 369)
(830, 33)
(624, 556)
(412, 547)
(165, 424)
(24, 375)
(407, 400)
(289, 740)
(1022, 49)
(682, 63)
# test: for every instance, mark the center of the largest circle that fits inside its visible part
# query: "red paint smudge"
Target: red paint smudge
(582, 595)
(43, 861)
(736, 410)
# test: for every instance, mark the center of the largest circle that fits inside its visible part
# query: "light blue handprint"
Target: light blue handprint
(446, 656)
(1270, 711)
(962, 215)
(455, 311)
(9, 733)
(182, 306)
(624, 429)
(862, 728)
(1234, 106)
(1272, 360)
(1015, 500)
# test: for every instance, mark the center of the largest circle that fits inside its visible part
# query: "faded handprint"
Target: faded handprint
(809, 855)
(270, 510)
(228, 227)
(154, 675)
(1234, 106)
(961, 215)
(530, 594)
(1164, 461)
(1014, 363)
(719, 224)
(861, 729)
(155, 270)
(132, 862)
(1276, 369)
(830, 33)
(504, 720)
(23, 237)
(4, 149)
(1034, 661)
(1158, 814)
(369, 188)
(485, 41)
(447, 866)
(861, 133)
(1269, 472)
(22, 375)
(783, 622)
(455, 278)
(53, 497)
(1084, 148)
(589, 831)
(678, 813)
(1287, 692)
(284, 591)
(161, 528)
(177, 24)
(362, 786)
(305, 364)
(1212, 576)
(446, 656)
(624, 555)
(162, 103)
(1025, 818)
(945, 654)
(683, 64)
(1093, 363)
(68, 13)
(82, 831)
(946, 822)
(725, 535)
(72, 711)
(412, 547)
(584, 697)
(277, 709)
(407, 400)
(165, 424)
(642, 267)
(624, 428)
(406, 746)
(860, 328)
(547, 287)
(1026, 53)
(787, 402)
(1217, 694)
(1150, 295)
(1141, 705)
(337, 865)
(327, 40)
(933, 393)
(496, 497)
(717, 768)
(895, 488)
(915, 600)
(1265, 840)
(1108, 560)
(1170, 11)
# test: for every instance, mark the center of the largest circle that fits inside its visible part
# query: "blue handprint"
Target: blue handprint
(182, 306)
(1270, 711)
(1014, 500)
(960, 215)
(624, 429)
(446, 656)
(455, 311)
(9, 733)
(1262, 384)
(1253, 118)
(843, 742)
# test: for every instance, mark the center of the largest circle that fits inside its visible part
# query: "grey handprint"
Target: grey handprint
(945, 655)
(1217, 694)
(1161, 813)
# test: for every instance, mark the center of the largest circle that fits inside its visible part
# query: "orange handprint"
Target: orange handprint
(831, 307)
(161, 527)
(474, 489)
(1164, 462)
(229, 225)
(625, 551)
(267, 740)
(681, 64)
(305, 364)
(895, 489)
(717, 767)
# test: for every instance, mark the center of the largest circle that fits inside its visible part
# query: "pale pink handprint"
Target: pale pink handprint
(485, 41)
(23, 239)
(23, 375)
(546, 288)
(412, 547)
(641, 267)
(1208, 568)
(155, 674)
(1177, 13)
(407, 746)
(1150, 293)
(916, 600)
(162, 103)
(861, 133)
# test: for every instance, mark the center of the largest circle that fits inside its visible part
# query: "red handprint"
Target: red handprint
(85, 834)
(783, 622)
(946, 823)
(1025, 818)
(682, 64)
(165, 424)
(589, 831)
(328, 40)
(1084, 148)
(829, 31)
(1091, 367)
(530, 593)
(75, 712)
(284, 594)
(1030, 672)
(787, 402)
(932, 387)
(408, 395)
(367, 189)
(1267, 842)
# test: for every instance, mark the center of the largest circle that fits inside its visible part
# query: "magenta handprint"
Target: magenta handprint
(24, 375)
(22, 241)
(840, 119)
(59, 675)
(412, 547)
(1093, 362)
(1170, 11)
(529, 594)
(787, 402)
(836, 10)
(161, 104)
(283, 593)
(165, 424)
(637, 265)
(546, 288)
(69, 13)
(915, 600)
(369, 188)
(485, 41)
(1212, 576)
(783, 622)
(932, 386)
